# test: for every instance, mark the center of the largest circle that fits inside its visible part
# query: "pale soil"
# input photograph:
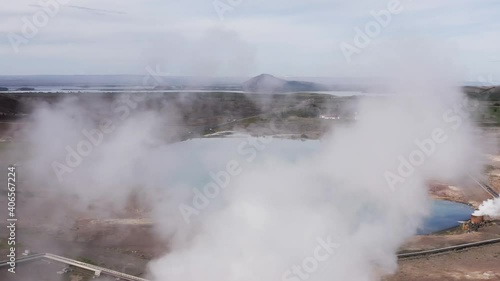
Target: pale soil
(481, 263)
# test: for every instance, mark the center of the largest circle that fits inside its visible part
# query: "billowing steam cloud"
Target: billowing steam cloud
(338, 214)
(363, 193)
(490, 208)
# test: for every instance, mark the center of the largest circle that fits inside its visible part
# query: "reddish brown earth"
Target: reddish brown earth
(126, 241)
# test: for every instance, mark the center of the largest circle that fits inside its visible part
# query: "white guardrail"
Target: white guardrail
(96, 269)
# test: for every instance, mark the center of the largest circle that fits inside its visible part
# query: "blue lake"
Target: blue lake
(200, 156)
(444, 215)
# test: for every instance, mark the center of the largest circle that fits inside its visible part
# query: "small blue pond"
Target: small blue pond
(199, 156)
(444, 215)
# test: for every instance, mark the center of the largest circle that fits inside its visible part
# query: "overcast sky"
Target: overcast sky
(282, 37)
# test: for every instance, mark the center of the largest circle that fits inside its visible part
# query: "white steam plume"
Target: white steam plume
(340, 214)
(490, 208)
(365, 191)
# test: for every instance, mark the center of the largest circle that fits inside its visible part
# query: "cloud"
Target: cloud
(310, 31)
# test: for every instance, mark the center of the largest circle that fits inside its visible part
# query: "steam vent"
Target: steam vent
(477, 219)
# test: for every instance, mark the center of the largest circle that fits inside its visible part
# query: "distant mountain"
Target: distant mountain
(263, 83)
(266, 83)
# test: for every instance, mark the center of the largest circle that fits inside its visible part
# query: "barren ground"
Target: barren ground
(127, 242)
(481, 263)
